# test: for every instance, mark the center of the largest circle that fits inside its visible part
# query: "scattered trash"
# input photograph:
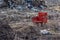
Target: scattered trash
(29, 5)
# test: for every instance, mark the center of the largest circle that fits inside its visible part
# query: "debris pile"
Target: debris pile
(22, 4)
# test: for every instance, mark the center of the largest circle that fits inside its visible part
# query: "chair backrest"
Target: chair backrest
(40, 14)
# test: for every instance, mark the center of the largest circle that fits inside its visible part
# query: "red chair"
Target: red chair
(41, 18)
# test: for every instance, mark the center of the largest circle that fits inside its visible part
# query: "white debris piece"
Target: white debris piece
(44, 31)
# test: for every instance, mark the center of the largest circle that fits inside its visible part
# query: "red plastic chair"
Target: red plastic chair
(41, 18)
